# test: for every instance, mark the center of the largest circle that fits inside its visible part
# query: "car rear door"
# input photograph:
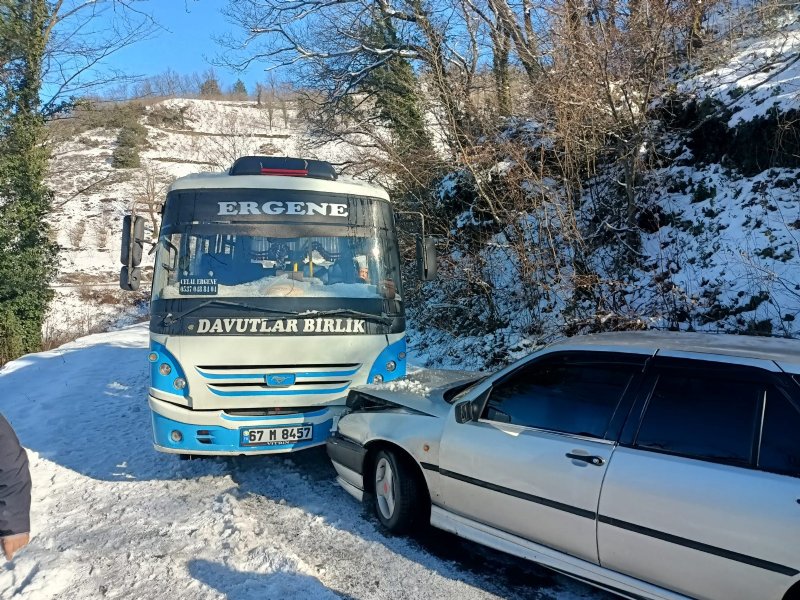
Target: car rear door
(533, 464)
(702, 495)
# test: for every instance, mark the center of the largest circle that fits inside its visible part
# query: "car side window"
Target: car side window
(702, 415)
(780, 436)
(578, 399)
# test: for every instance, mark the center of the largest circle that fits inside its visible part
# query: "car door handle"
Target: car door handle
(597, 461)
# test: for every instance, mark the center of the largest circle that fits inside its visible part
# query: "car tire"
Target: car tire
(398, 499)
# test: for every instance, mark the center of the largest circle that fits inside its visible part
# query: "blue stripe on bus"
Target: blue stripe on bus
(297, 392)
(262, 375)
(220, 439)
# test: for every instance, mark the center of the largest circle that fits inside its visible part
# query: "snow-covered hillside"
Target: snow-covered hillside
(710, 240)
(91, 196)
(114, 519)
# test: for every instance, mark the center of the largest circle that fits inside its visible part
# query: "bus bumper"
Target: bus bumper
(178, 430)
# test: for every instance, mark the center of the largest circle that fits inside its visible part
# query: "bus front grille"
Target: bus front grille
(278, 380)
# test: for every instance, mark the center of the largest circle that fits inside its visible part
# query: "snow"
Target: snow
(763, 73)
(112, 518)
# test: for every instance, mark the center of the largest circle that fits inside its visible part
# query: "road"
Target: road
(112, 518)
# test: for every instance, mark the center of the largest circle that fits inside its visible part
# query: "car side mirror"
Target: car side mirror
(469, 410)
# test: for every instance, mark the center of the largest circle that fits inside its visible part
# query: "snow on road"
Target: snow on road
(114, 519)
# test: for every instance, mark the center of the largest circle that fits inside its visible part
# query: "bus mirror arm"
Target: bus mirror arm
(173, 257)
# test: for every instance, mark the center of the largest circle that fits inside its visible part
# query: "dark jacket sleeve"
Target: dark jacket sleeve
(15, 483)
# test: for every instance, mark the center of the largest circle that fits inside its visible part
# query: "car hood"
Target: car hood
(422, 391)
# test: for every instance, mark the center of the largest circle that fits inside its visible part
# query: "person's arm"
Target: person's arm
(15, 492)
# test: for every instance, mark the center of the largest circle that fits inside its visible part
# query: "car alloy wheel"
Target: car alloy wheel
(385, 490)
(399, 497)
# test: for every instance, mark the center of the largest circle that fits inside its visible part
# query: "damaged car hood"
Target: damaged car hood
(425, 391)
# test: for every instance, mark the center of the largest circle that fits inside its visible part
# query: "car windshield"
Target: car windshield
(226, 261)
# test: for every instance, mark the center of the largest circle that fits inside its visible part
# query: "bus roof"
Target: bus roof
(349, 186)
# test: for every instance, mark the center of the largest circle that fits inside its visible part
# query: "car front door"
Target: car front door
(533, 463)
(702, 495)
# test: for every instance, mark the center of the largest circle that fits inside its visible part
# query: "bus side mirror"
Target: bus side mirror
(132, 241)
(131, 252)
(129, 279)
(426, 258)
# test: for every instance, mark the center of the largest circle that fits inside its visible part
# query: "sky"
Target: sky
(185, 43)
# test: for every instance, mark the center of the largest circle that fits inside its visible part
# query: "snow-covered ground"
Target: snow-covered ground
(114, 519)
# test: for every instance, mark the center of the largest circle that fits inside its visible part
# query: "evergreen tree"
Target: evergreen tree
(394, 86)
(132, 136)
(27, 256)
(239, 90)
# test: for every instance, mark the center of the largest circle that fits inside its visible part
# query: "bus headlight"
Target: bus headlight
(391, 366)
(377, 379)
(165, 370)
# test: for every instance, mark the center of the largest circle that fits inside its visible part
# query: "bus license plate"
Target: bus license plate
(276, 436)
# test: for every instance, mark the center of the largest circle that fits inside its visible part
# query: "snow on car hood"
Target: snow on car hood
(421, 390)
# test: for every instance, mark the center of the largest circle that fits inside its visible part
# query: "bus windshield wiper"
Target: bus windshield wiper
(170, 318)
(344, 312)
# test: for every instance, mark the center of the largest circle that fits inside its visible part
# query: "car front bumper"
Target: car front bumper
(348, 459)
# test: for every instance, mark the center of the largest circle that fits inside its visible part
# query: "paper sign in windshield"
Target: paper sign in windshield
(198, 286)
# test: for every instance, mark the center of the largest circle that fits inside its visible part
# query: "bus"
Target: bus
(276, 287)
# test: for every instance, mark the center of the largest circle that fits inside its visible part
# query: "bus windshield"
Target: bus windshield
(220, 260)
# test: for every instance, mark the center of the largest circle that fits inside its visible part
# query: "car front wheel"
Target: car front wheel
(398, 501)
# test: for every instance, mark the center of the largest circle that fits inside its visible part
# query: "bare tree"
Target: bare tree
(283, 95)
(354, 41)
(151, 185)
(522, 196)
(76, 64)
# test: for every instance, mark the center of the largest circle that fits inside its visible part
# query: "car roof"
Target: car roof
(784, 352)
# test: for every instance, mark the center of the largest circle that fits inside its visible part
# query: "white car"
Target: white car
(653, 465)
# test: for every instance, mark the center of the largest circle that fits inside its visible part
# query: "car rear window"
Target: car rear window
(702, 416)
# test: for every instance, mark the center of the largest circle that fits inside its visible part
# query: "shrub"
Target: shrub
(129, 141)
(12, 337)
